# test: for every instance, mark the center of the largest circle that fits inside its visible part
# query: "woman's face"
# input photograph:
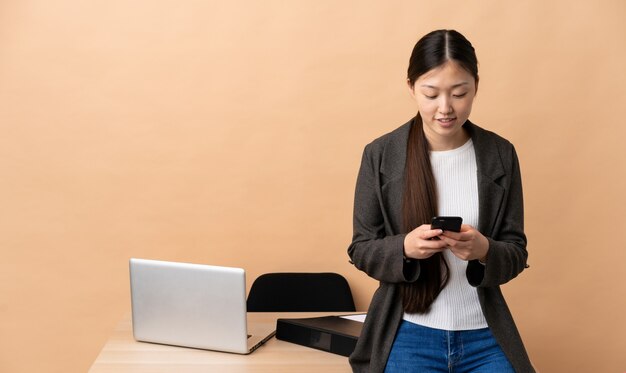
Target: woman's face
(444, 97)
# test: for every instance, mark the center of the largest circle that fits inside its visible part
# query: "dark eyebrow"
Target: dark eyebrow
(454, 86)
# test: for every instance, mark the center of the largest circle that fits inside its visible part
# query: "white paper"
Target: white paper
(360, 317)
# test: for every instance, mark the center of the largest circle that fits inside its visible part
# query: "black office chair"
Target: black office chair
(300, 292)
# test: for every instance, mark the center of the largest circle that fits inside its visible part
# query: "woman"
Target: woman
(439, 306)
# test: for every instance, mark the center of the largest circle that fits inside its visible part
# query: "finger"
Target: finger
(460, 246)
(430, 233)
(447, 240)
(438, 245)
(425, 245)
(453, 235)
(466, 228)
(424, 252)
(455, 244)
(462, 236)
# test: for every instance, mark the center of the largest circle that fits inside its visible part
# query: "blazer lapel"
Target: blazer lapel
(490, 170)
(392, 178)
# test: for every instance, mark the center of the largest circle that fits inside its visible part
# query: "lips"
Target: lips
(445, 120)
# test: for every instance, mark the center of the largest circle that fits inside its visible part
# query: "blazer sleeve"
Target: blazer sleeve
(507, 255)
(379, 255)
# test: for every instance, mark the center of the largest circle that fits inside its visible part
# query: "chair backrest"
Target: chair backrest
(300, 292)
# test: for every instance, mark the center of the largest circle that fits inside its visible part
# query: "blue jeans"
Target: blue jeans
(421, 349)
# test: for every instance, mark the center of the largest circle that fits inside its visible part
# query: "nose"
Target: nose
(445, 107)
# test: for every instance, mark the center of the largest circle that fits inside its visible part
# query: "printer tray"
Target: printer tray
(329, 333)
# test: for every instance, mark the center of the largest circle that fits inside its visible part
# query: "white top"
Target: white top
(457, 306)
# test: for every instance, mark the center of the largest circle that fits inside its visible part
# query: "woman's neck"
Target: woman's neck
(441, 143)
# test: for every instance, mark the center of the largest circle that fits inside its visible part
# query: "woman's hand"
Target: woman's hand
(466, 245)
(418, 243)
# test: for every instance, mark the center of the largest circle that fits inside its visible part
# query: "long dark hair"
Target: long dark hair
(419, 202)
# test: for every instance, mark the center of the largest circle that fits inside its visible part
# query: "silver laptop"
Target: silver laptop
(192, 305)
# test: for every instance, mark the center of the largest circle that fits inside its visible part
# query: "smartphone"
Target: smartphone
(447, 223)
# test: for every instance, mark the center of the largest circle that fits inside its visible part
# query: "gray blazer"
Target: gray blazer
(377, 246)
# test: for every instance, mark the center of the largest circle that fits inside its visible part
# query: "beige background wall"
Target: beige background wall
(230, 133)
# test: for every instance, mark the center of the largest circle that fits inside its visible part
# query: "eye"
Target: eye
(430, 97)
(460, 95)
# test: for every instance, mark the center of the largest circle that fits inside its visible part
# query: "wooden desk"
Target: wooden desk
(122, 354)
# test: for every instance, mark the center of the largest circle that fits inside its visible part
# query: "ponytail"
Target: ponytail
(419, 205)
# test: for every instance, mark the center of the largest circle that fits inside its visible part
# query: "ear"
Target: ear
(411, 88)
(476, 84)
